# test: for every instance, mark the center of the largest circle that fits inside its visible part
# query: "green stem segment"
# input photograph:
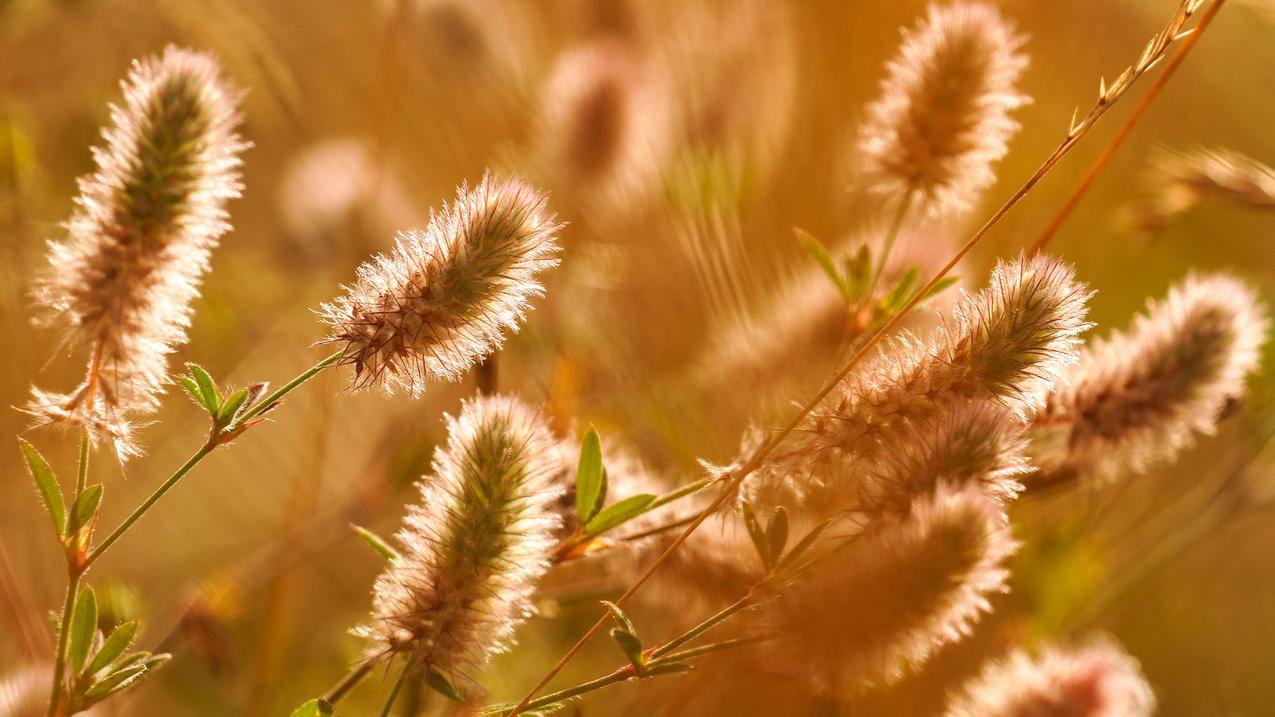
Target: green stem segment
(896, 225)
(351, 679)
(72, 587)
(270, 401)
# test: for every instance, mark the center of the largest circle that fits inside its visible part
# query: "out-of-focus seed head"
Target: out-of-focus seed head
(475, 545)
(605, 127)
(1140, 397)
(976, 443)
(943, 118)
(445, 297)
(1093, 680)
(882, 605)
(1007, 343)
(145, 224)
(1182, 180)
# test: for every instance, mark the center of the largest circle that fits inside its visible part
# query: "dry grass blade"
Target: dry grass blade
(1155, 51)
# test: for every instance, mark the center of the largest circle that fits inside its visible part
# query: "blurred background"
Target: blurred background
(684, 311)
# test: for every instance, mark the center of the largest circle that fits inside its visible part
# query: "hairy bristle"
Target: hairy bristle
(444, 298)
(975, 443)
(882, 605)
(1007, 343)
(475, 545)
(1139, 397)
(1093, 680)
(145, 224)
(943, 117)
(1182, 180)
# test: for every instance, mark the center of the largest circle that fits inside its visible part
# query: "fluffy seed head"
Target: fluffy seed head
(146, 221)
(1182, 180)
(974, 443)
(1140, 397)
(444, 297)
(1093, 680)
(1007, 343)
(883, 605)
(943, 117)
(475, 545)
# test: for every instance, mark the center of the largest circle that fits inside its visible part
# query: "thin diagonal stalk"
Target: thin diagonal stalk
(1126, 129)
(733, 479)
(893, 234)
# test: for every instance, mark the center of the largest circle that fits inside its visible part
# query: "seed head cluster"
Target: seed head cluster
(1140, 397)
(145, 224)
(475, 545)
(1092, 680)
(445, 297)
(943, 118)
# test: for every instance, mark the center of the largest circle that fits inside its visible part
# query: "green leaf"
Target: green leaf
(192, 388)
(442, 685)
(231, 405)
(116, 643)
(618, 513)
(859, 272)
(898, 297)
(802, 545)
(377, 543)
(623, 620)
(590, 477)
(85, 507)
(777, 532)
(819, 253)
(155, 661)
(114, 682)
(630, 645)
(47, 484)
(83, 624)
(760, 541)
(944, 283)
(314, 708)
(207, 387)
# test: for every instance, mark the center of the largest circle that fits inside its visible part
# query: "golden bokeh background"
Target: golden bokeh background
(363, 115)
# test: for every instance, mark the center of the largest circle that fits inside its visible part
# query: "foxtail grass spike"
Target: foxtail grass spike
(474, 546)
(145, 224)
(445, 297)
(943, 118)
(1143, 396)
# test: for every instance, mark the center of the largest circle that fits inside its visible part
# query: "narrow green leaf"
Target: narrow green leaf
(231, 405)
(116, 643)
(859, 272)
(777, 532)
(136, 658)
(590, 477)
(85, 507)
(442, 685)
(618, 513)
(114, 682)
(630, 645)
(155, 661)
(899, 295)
(47, 484)
(83, 623)
(802, 545)
(207, 387)
(314, 708)
(819, 253)
(619, 616)
(377, 543)
(944, 283)
(760, 541)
